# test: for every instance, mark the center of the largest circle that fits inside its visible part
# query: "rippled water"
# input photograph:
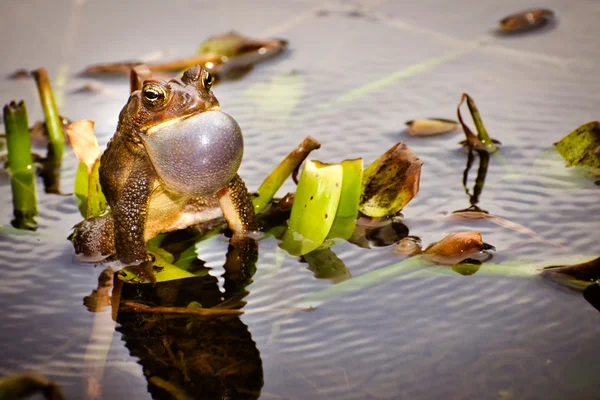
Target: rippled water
(353, 75)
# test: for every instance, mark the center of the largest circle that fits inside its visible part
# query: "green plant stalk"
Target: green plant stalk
(53, 120)
(21, 166)
(482, 133)
(273, 182)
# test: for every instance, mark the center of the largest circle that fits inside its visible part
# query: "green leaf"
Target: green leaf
(166, 271)
(345, 218)
(582, 147)
(96, 202)
(325, 264)
(390, 182)
(81, 188)
(315, 206)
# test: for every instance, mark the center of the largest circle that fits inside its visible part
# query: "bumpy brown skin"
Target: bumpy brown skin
(141, 206)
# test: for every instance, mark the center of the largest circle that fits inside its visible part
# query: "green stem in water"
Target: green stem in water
(21, 166)
(53, 120)
(273, 182)
(482, 133)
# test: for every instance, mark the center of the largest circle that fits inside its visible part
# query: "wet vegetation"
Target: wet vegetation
(185, 331)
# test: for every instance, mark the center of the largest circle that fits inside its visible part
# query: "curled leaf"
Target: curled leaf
(390, 182)
(431, 126)
(83, 142)
(582, 147)
(525, 20)
(455, 247)
(315, 206)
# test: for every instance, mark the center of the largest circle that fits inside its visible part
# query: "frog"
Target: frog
(172, 163)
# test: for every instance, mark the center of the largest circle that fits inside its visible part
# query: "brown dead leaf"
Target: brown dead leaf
(83, 142)
(454, 248)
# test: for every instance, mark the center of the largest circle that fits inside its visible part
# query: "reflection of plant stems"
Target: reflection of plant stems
(484, 158)
(273, 182)
(53, 120)
(20, 163)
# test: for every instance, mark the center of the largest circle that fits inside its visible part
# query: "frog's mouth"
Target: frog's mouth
(196, 155)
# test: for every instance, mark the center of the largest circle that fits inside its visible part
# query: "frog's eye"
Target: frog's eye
(207, 79)
(154, 95)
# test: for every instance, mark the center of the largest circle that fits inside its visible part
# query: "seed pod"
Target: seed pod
(431, 126)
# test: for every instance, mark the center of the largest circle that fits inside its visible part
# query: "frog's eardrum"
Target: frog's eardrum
(197, 155)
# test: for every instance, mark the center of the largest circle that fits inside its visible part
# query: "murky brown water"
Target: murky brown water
(434, 335)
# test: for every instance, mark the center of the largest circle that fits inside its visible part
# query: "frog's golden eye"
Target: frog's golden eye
(154, 95)
(207, 79)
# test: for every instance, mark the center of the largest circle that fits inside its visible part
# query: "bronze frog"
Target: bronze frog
(172, 163)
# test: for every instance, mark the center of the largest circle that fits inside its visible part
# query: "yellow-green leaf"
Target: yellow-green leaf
(315, 205)
(390, 182)
(347, 211)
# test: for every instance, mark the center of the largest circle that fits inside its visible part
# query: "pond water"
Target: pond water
(354, 73)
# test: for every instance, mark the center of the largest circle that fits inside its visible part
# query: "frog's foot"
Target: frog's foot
(93, 239)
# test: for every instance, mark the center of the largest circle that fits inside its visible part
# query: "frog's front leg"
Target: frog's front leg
(236, 203)
(130, 214)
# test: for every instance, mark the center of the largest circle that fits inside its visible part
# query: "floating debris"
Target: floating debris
(20, 74)
(431, 126)
(225, 56)
(456, 247)
(525, 21)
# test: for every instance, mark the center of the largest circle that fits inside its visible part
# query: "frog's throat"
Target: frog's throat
(151, 130)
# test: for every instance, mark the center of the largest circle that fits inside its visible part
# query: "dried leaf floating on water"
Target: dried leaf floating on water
(137, 76)
(455, 247)
(390, 182)
(525, 20)
(431, 126)
(482, 140)
(222, 55)
(582, 147)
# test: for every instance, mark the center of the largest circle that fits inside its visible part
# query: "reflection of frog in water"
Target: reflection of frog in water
(187, 356)
(171, 164)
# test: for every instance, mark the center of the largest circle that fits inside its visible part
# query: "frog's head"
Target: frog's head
(194, 147)
(159, 102)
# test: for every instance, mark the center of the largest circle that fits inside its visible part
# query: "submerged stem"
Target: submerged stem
(53, 120)
(20, 163)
